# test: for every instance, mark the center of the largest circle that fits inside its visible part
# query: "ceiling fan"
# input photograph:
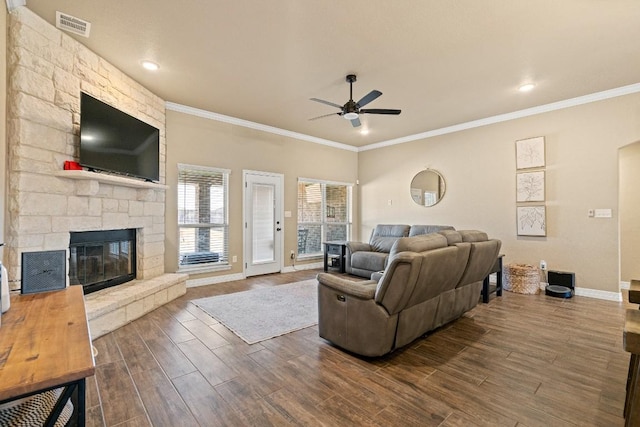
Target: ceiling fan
(352, 110)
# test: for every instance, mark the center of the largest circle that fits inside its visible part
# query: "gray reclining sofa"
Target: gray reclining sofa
(363, 259)
(430, 280)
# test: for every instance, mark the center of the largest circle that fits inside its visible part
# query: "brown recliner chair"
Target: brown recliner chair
(428, 282)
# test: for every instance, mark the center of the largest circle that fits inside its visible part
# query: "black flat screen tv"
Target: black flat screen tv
(113, 141)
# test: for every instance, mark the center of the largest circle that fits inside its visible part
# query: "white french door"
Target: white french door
(263, 227)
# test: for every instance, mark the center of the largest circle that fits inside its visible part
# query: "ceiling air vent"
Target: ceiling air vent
(72, 24)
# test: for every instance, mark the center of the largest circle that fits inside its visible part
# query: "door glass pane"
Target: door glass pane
(263, 223)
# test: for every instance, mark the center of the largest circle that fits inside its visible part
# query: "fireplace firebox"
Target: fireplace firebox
(101, 259)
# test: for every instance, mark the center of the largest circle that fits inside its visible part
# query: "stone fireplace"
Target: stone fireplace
(47, 71)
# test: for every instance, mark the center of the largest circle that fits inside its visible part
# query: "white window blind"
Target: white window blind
(324, 214)
(203, 215)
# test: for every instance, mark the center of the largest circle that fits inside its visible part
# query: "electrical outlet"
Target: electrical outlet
(292, 255)
(543, 265)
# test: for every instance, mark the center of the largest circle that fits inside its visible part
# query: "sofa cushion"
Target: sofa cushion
(382, 244)
(418, 244)
(473, 236)
(390, 230)
(452, 236)
(417, 230)
(372, 261)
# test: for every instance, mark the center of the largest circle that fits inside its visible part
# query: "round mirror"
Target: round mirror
(427, 187)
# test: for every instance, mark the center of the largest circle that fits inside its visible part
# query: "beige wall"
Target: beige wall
(630, 212)
(200, 141)
(479, 169)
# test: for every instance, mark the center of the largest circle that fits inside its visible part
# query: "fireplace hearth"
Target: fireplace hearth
(101, 259)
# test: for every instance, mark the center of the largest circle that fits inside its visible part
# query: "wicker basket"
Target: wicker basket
(521, 278)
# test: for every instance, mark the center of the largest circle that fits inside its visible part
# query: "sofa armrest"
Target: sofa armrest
(358, 247)
(364, 290)
(352, 247)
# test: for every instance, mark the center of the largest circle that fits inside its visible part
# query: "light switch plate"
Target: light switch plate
(603, 213)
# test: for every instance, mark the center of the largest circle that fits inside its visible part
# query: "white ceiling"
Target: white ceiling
(442, 62)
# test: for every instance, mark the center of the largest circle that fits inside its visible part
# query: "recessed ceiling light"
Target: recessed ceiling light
(364, 131)
(526, 87)
(151, 66)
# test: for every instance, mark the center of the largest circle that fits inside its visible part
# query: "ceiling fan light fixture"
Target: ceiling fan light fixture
(352, 109)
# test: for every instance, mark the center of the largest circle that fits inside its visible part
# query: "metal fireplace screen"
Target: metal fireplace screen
(43, 271)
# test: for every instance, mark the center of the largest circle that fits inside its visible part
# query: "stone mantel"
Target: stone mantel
(109, 179)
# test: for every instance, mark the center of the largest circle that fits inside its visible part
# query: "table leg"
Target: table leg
(632, 403)
(326, 259)
(343, 257)
(633, 370)
(82, 404)
(499, 278)
(485, 290)
(60, 404)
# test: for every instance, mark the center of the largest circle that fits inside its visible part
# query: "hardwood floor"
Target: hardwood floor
(521, 360)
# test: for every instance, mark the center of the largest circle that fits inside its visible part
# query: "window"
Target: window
(324, 214)
(203, 215)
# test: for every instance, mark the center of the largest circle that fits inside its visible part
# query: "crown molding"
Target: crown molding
(567, 103)
(252, 125)
(14, 4)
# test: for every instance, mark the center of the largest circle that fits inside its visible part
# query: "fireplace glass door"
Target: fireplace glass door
(101, 259)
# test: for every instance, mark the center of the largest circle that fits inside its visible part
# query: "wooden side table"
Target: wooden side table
(634, 298)
(335, 251)
(45, 340)
(631, 340)
(497, 268)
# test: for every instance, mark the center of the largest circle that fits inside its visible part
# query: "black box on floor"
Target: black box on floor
(562, 278)
(562, 284)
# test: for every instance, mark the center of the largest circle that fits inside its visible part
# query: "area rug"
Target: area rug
(264, 313)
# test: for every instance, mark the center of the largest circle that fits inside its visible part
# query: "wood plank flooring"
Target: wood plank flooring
(521, 360)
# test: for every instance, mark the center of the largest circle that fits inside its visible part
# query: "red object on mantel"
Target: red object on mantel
(72, 166)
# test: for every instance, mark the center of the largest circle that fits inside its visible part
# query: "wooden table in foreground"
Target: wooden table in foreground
(45, 344)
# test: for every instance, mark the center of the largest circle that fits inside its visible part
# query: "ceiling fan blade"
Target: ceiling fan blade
(322, 101)
(380, 111)
(325, 115)
(368, 98)
(355, 122)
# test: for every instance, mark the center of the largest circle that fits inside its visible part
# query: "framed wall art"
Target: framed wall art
(530, 186)
(530, 153)
(532, 220)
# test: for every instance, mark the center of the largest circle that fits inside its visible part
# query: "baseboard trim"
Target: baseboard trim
(299, 267)
(193, 283)
(595, 293)
(625, 285)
